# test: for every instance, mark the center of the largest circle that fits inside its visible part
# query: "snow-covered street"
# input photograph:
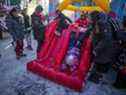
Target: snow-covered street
(16, 80)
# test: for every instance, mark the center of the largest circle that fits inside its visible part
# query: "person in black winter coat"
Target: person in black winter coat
(105, 45)
(63, 22)
(16, 29)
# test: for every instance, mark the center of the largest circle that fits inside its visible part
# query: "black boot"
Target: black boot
(97, 73)
(95, 77)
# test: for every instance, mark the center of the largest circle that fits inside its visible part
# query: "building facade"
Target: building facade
(119, 7)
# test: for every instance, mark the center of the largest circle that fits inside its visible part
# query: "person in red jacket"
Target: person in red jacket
(83, 21)
(81, 24)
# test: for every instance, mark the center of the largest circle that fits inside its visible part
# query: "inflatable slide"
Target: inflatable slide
(51, 58)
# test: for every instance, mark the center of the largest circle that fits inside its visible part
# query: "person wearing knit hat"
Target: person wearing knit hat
(39, 8)
(38, 26)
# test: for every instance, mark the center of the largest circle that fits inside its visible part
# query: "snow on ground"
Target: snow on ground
(16, 80)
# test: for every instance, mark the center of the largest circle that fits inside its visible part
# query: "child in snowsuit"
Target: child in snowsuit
(16, 29)
(78, 36)
(83, 25)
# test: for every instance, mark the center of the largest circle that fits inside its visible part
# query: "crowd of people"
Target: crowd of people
(107, 34)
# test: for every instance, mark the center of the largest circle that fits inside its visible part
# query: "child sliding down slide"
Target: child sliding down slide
(79, 32)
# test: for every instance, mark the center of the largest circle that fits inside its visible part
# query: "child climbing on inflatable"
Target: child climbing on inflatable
(82, 24)
(63, 22)
(80, 30)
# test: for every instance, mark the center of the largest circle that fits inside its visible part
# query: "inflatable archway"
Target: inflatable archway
(101, 5)
(83, 8)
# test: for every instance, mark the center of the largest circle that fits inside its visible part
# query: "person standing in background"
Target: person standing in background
(38, 26)
(16, 29)
(27, 25)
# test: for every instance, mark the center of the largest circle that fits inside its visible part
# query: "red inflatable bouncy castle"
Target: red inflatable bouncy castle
(52, 55)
